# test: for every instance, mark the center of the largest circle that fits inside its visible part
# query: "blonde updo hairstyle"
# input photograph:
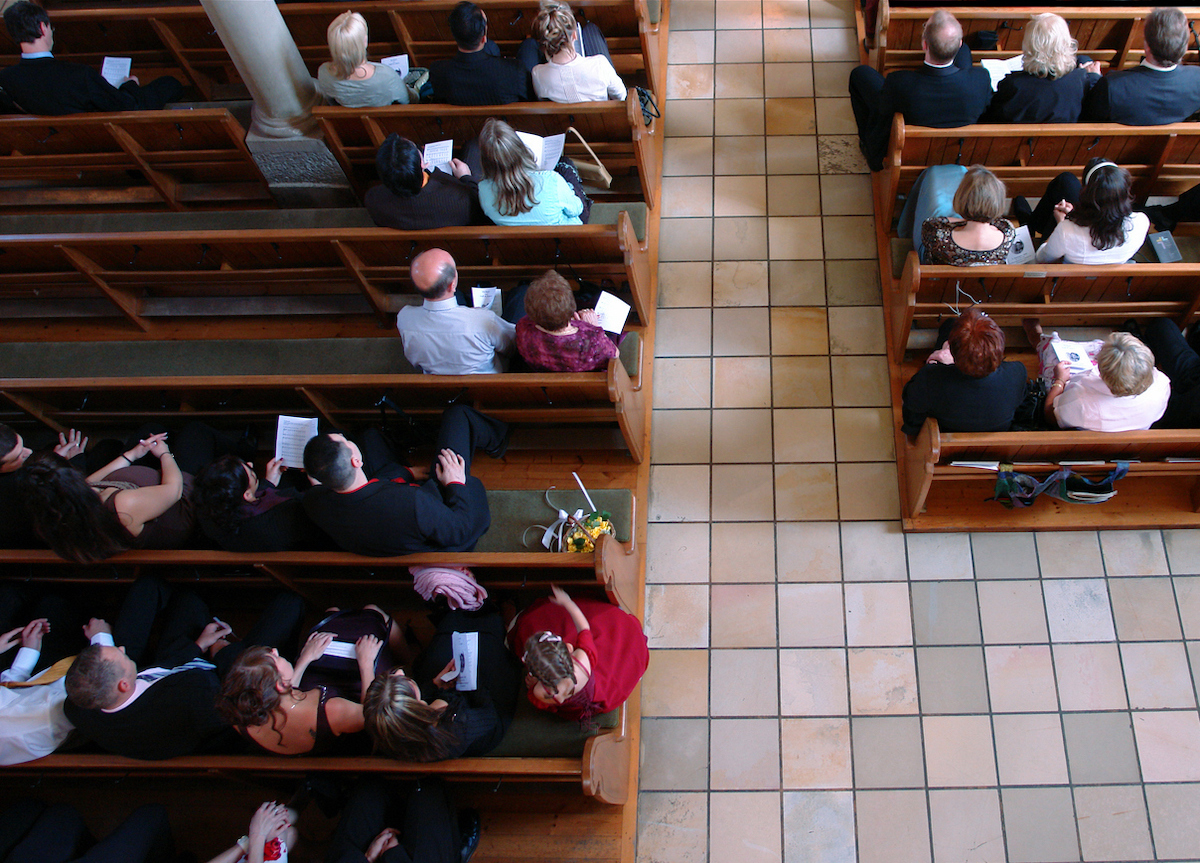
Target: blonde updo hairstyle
(554, 27)
(1048, 47)
(347, 37)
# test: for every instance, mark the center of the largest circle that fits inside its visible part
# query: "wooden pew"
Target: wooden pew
(1111, 34)
(186, 159)
(615, 130)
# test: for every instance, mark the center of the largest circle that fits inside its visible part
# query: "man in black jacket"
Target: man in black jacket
(40, 84)
(946, 91)
(477, 75)
(1160, 90)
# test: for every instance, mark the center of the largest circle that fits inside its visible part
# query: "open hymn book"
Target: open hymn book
(546, 151)
(290, 438)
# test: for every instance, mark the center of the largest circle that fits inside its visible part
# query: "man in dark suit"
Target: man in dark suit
(1160, 90)
(946, 91)
(477, 75)
(40, 84)
(169, 708)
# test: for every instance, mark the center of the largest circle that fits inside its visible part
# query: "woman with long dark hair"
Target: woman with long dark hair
(241, 511)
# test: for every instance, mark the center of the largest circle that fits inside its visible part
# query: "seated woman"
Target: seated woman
(120, 506)
(582, 657)
(966, 385)
(1051, 84)
(1122, 392)
(425, 718)
(514, 192)
(1092, 223)
(567, 75)
(350, 79)
(412, 197)
(556, 337)
(954, 215)
(240, 511)
(314, 706)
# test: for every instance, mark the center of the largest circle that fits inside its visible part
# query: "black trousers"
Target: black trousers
(463, 429)
(21, 603)
(1064, 187)
(422, 812)
(32, 832)
(1179, 362)
(156, 94)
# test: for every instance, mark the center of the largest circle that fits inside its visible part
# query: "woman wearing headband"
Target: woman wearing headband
(1092, 223)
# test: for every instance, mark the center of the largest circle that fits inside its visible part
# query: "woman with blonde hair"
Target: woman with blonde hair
(1052, 83)
(567, 75)
(955, 216)
(514, 192)
(350, 79)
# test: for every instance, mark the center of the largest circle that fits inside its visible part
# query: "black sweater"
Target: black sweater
(961, 403)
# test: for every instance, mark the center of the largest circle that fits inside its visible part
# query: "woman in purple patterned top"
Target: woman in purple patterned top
(555, 337)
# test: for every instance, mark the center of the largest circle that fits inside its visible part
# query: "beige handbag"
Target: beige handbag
(593, 173)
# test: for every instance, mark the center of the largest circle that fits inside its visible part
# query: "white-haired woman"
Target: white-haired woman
(1051, 84)
(350, 79)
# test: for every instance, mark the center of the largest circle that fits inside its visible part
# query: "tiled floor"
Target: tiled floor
(822, 687)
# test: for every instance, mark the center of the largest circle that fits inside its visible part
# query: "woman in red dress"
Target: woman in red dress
(581, 657)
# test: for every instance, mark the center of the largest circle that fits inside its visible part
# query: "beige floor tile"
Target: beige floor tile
(743, 493)
(1020, 678)
(677, 553)
(805, 492)
(811, 615)
(1039, 825)
(808, 551)
(800, 381)
(687, 157)
(1187, 593)
(743, 615)
(744, 154)
(1183, 548)
(938, 556)
(965, 824)
(745, 754)
(952, 680)
(835, 117)
(816, 753)
(788, 80)
(731, 671)
(1029, 749)
(883, 681)
(830, 14)
(856, 330)
(878, 615)
(784, 14)
(674, 754)
(799, 331)
(741, 332)
(745, 826)
(683, 383)
(741, 382)
(739, 15)
(1112, 823)
(680, 437)
(873, 551)
(685, 239)
(692, 15)
(945, 613)
(677, 615)
(1012, 612)
(679, 493)
(684, 283)
(740, 283)
(958, 751)
(849, 236)
(797, 283)
(797, 195)
(1004, 555)
(795, 237)
(892, 826)
(818, 825)
(829, 78)
(1069, 554)
(686, 196)
(791, 154)
(1089, 677)
(689, 46)
(1144, 609)
(1100, 748)
(683, 333)
(688, 118)
(846, 195)
(803, 435)
(1078, 609)
(864, 434)
(1157, 676)
(887, 752)
(1172, 819)
(741, 436)
(867, 492)
(690, 82)
(836, 44)
(672, 827)
(739, 81)
(734, 46)
(739, 239)
(791, 117)
(852, 283)
(743, 552)
(676, 683)
(787, 46)
(812, 682)
(1133, 552)
(859, 382)
(739, 117)
(839, 154)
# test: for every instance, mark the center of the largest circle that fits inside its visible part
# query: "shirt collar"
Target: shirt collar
(939, 65)
(37, 55)
(441, 305)
(1150, 65)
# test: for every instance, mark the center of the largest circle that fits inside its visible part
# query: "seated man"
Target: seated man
(169, 708)
(429, 829)
(946, 91)
(477, 75)
(411, 197)
(16, 526)
(444, 337)
(371, 505)
(1160, 90)
(40, 84)
(1179, 362)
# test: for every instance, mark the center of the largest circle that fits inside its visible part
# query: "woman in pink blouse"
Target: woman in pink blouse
(554, 336)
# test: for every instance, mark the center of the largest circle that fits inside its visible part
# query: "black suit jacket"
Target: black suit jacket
(1025, 98)
(479, 78)
(50, 86)
(1145, 97)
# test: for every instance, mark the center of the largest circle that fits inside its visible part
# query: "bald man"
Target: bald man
(442, 337)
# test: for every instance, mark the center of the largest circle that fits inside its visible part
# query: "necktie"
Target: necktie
(153, 674)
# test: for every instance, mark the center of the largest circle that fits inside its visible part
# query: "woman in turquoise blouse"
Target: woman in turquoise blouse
(514, 192)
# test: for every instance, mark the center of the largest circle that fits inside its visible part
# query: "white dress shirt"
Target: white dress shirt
(443, 338)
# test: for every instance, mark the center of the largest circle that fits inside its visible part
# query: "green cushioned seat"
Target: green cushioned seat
(629, 352)
(537, 734)
(654, 10)
(900, 250)
(605, 213)
(515, 510)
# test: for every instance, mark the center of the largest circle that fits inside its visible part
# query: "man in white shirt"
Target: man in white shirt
(442, 337)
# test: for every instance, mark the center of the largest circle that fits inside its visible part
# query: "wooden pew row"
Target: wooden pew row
(179, 39)
(186, 160)
(1112, 35)
(615, 130)
(151, 279)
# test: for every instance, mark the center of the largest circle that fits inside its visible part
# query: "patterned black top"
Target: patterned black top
(940, 247)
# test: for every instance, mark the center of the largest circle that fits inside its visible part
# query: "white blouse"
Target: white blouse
(1072, 244)
(584, 79)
